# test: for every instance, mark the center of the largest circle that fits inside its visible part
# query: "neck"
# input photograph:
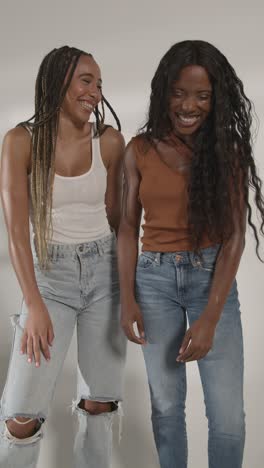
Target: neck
(186, 144)
(187, 139)
(70, 130)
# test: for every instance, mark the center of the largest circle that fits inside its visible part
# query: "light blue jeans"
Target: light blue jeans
(81, 287)
(169, 288)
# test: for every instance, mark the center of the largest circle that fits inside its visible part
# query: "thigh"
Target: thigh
(101, 352)
(28, 389)
(221, 370)
(165, 325)
(101, 340)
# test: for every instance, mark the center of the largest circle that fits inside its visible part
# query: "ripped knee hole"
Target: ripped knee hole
(22, 427)
(96, 407)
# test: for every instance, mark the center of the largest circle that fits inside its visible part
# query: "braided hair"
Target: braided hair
(57, 66)
(222, 162)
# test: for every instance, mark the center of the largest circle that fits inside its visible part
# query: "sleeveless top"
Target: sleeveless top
(78, 203)
(163, 194)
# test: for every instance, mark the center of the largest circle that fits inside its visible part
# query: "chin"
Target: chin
(184, 132)
(83, 118)
(191, 131)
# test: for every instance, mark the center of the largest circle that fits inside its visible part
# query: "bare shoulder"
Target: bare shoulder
(17, 146)
(113, 136)
(18, 135)
(112, 145)
(134, 150)
(130, 151)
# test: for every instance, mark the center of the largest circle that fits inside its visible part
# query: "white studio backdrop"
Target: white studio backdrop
(128, 39)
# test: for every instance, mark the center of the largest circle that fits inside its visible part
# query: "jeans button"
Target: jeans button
(81, 248)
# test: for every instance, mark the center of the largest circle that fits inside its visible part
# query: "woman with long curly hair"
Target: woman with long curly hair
(190, 169)
(64, 173)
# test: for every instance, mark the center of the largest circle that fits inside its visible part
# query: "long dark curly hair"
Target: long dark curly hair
(222, 166)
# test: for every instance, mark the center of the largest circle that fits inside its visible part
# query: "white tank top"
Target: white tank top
(78, 203)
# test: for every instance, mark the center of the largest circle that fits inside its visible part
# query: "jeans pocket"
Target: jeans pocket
(207, 260)
(146, 260)
(207, 267)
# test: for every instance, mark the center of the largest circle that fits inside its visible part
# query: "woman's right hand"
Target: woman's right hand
(15, 195)
(38, 333)
(132, 314)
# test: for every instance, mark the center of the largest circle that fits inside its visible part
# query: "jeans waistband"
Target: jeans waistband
(185, 256)
(56, 251)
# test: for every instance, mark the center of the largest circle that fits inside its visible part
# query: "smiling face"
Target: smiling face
(190, 101)
(85, 90)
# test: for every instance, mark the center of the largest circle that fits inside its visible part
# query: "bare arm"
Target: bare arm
(199, 338)
(14, 194)
(128, 248)
(113, 147)
(15, 166)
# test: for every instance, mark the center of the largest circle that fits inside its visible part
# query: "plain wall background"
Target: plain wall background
(128, 39)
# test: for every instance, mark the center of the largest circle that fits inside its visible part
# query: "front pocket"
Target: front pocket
(206, 267)
(206, 263)
(146, 260)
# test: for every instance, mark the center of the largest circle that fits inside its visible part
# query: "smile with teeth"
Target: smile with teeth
(86, 105)
(188, 121)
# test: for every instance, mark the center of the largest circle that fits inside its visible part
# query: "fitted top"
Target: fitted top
(163, 194)
(78, 203)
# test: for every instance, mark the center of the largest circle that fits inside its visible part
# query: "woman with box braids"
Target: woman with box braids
(64, 173)
(54, 77)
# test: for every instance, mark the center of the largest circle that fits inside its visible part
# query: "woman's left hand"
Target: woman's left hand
(198, 340)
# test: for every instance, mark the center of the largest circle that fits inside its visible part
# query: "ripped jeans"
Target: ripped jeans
(81, 287)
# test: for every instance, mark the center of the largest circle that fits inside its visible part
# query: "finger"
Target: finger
(192, 357)
(36, 349)
(133, 337)
(29, 349)
(130, 333)
(23, 346)
(200, 356)
(204, 353)
(188, 352)
(185, 342)
(140, 327)
(50, 336)
(45, 347)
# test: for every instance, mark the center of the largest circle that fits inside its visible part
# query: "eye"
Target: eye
(177, 94)
(204, 97)
(86, 81)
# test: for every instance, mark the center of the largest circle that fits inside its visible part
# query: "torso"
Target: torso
(176, 158)
(73, 158)
(79, 188)
(163, 193)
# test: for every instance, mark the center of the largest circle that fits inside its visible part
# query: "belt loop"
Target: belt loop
(100, 247)
(53, 253)
(196, 259)
(157, 258)
(192, 258)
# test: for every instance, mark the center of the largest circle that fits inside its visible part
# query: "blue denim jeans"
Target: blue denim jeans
(80, 288)
(171, 287)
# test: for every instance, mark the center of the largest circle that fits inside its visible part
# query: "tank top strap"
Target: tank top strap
(96, 150)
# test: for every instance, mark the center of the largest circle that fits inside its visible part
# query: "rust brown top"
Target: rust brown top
(163, 194)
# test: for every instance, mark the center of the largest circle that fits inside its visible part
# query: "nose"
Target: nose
(95, 92)
(188, 104)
